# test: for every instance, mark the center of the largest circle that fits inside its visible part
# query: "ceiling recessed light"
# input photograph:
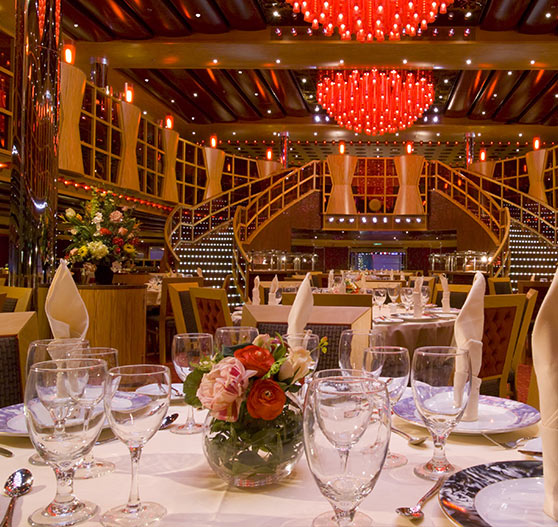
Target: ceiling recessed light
(446, 81)
(435, 110)
(195, 94)
(144, 112)
(198, 15)
(76, 25)
(276, 13)
(240, 72)
(277, 61)
(479, 134)
(146, 80)
(172, 100)
(215, 61)
(404, 61)
(468, 61)
(396, 135)
(256, 94)
(484, 113)
(317, 109)
(315, 133)
(234, 133)
(440, 96)
(509, 72)
(437, 134)
(303, 80)
(548, 15)
(495, 95)
(268, 111)
(520, 134)
(193, 118)
(341, 61)
(532, 62)
(310, 96)
(468, 14)
(317, 118)
(193, 133)
(435, 119)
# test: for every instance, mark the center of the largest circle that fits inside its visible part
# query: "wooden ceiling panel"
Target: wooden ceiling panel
(244, 15)
(499, 86)
(160, 17)
(530, 87)
(466, 90)
(80, 25)
(504, 15)
(543, 105)
(202, 15)
(285, 89)
(257, 92)
(535, 20)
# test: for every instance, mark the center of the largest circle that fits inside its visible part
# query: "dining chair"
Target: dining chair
(499, 286)
(502, 321)
(17, 299)
(458, 294)
(541, 287)
(182, 309)
(266, 284)
(428, 281)
(211, 308)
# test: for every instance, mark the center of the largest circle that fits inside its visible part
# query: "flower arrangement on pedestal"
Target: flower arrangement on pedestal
(253, 432)
(104, 238)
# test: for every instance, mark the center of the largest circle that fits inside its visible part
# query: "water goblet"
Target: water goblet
(90, 467)
(391, 365)
(353, 343)
(188, 349)
(441, 382)
(425, 294)
(230, 336)
(407, 297)
(135, 425)
(346, 433)
(393, 292)
(64, 414)
(380, 295)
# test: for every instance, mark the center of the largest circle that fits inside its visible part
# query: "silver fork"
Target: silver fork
(508, 445)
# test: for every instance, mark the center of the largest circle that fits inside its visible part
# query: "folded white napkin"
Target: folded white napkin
(417, 297)
(469, 327)
(330, 278)
(545, 360)
(391, 274)
(64, 307)
(533, 277)
(402, 276)
(256, 292)
(199, 272)
(446, 304)
(272, 298)
(362, 282)
(302, 308)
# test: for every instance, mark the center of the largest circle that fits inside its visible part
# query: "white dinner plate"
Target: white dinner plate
(177, 393)
(448, 316)
(503, 494)
(423, 318)
(388, 320)
(495, 415)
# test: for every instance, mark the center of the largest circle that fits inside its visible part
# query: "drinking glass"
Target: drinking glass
(407, 297)
(51, 349)
(425, 294)
(393, 292)
(230, 336)
(279, 295)
(135, 425)
(391, 365)
(188, 349)
(380, 295)
(64, 414)
(346, 433)
(89, 467)
(441, 382)
(352, 345)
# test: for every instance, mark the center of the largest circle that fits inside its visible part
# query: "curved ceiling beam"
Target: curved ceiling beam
(201, 15)
(543, 106)
(536, 21)
(286, 91)
(465, 92)
(504, 15)
(80, 25)
(495, 91)
(161, 18)
(242, 14)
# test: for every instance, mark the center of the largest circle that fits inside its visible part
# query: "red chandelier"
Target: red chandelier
(370, 19)
(375, 102)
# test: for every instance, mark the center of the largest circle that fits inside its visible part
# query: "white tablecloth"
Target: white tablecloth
(173, 472)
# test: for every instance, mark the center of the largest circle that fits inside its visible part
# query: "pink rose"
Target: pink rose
(73, 251)
(122, 231)
(223, 389)
(115, 216)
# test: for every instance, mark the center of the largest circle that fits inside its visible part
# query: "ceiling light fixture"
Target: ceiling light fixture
(468, 61)
(375, 102)
(369, 19)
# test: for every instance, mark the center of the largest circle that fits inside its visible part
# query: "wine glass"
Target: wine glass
(425, 294)
(50, 349)
(64, 414)
(380, 295)
(407, 297)
(230, 336)
(353, 343)
(441, 382)
(90, 467)
(393, 292)
(346, 433)
(135, 425)
(391, 365)
(188, 349)
(278, 295)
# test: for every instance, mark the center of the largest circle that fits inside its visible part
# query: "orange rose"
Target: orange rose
(265, 400)
(255, 358)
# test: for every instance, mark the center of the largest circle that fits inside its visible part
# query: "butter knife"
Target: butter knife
(530, 452)
(5, 452)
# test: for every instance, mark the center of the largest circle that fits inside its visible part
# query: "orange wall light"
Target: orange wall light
(169, 121)
(269, 154)
(409, 147)
(213, 141)
(536, 143)
(69, 52)
(128, 92)
(482, 155)
(342, 147)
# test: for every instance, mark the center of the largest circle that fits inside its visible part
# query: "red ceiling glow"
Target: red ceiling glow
(375, 102)
(370, 19)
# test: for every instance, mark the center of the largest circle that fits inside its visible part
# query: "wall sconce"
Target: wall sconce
(128, 92)
(269, 154)
(69, 52)
(169, 121)
(342, 147)
(409, 147)
(482, 155)
(536, 143)
(213, 141)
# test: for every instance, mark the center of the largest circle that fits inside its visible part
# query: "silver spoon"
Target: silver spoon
(415, 513)
(412, 440)
(18, 484)
(509, 445)
(167, 421)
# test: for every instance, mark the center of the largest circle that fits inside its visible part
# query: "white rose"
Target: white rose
(98, 250)
(70, 213)
(297, 365)
(73, 231)
(263, 341)
(97, 219)
(116, 267)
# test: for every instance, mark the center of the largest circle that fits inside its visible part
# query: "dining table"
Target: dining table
(173, 472)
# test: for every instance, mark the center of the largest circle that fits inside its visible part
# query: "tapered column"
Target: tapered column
(214, 162)
(267, 167)
(486, 168)
(170, 146)
(536, 161)
(34, 161)
(72, 88)
(128, 176)
(341, 168)
(408, 169)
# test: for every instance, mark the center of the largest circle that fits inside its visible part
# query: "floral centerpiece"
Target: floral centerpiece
(104, 238)
(253, 433)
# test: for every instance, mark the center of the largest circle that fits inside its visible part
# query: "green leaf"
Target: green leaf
(228, 351)
(191, 385)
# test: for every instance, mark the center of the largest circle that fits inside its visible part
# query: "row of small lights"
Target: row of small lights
(374, 219)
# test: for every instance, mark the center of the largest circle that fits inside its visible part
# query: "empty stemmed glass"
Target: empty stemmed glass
(346, 434)
(352, 345)
(90, 467)
(391, 365)
(393, 292)
(135, 425)
(380, 295)
(188, 349)
(407, 297)
(64, 413)
(441, 382)
(230, 336)
(425, 294)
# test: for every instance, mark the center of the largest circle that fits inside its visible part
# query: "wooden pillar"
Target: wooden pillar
(408, 169)
(214, 162)
(170, 146)
(536, 161)
(341, 168)
(128, 176)
(265, 167)
(486, 168)
(72, 88)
